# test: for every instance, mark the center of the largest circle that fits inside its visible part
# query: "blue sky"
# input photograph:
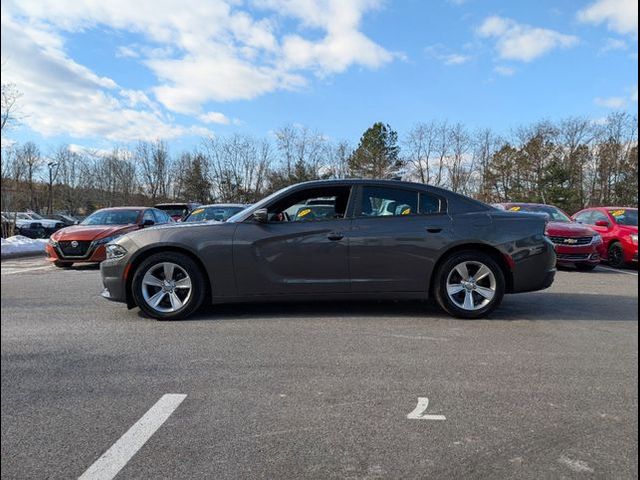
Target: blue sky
(97, 74)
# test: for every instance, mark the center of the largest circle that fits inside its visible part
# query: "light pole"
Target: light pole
(50, 205)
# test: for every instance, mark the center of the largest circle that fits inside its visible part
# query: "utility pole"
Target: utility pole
(51, 176)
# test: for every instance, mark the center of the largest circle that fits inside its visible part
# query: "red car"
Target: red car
(619, 229)
(85, 243)
(576, 244)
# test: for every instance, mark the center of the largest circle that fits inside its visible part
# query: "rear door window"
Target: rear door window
(388, 202)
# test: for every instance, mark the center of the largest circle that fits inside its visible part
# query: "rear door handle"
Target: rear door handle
(434, 229)
(335, 236)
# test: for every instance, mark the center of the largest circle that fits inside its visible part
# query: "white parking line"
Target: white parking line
(13, 271)
(112, 461)
(635, 274)
(418, 412)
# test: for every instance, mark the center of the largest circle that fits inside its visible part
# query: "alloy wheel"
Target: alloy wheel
(471, 285)
(166, 287)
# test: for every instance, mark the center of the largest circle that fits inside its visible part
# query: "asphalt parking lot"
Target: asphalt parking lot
(546, 388)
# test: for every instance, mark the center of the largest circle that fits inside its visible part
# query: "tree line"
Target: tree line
(571, 163)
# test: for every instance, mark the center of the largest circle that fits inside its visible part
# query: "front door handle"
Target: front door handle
(335, 236)
(434, 229)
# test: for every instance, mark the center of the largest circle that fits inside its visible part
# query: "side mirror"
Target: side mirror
(603, 223)
(148, 222)
(261, 215)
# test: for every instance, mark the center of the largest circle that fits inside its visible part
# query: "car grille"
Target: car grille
(571, 241)
(574, 256)
(69, 250)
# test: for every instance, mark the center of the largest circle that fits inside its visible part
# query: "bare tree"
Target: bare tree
(8, 110)
(419, 145)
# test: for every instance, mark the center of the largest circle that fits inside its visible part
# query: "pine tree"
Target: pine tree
(377, 155)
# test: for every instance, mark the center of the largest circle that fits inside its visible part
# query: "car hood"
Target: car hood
(91, 232)
(563, 229)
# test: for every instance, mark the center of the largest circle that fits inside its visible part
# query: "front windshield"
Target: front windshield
(555, 214)
(112, 217)
(627, 217)
(220, 213)
(35, 216)
(261, 204)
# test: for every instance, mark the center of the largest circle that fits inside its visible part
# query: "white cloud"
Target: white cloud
(442, 54)
(505, 71)
(219, 50)
(215, 117)
(612, 44)
(61, 96)
(611, 102)
(620, 16)
(619, 102)
(517, 41)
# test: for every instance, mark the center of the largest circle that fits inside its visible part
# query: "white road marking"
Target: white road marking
(112, 461)
(418, 412)
(576, 465)
(13, 271)
(635, 274)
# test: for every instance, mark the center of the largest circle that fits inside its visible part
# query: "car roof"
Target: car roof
(124, 208)
(221, 205)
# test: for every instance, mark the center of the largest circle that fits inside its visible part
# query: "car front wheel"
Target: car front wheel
(168, 286)
(616, 255)
(469, 285)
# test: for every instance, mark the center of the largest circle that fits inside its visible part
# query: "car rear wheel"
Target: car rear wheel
(469, 285)
(616, 255)
(168, 286)
(586, 267)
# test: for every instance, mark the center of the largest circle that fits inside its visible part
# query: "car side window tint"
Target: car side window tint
(310, 205)
(598, 216)
(388, 202)
(160, 216)
(584, 217)
(430, 204)
(148, 215)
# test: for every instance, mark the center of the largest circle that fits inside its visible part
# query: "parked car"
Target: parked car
(619, 229)
(85, 243)
(178, 211)
(68, 220)
(220, 212)
(32, 225)
(438, 244)
(575, 244)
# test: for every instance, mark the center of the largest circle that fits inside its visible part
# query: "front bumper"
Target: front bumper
(95, 254)
(114, 281)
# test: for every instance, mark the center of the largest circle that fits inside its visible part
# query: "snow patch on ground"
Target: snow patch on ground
(18, 245)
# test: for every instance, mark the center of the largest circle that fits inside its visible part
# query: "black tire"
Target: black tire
(61, 264)
(40, 233)
(586, 267)
(197, 280)
(447, 268)
(615, 256)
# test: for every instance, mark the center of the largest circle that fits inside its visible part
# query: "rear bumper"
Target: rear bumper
(535, 272)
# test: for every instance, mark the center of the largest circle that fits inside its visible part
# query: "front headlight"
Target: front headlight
(115, 251)
(634, 238)
(53, 243)
(597, 239)
(102, 241)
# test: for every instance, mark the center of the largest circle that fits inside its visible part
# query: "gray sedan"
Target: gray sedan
(333, 240)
